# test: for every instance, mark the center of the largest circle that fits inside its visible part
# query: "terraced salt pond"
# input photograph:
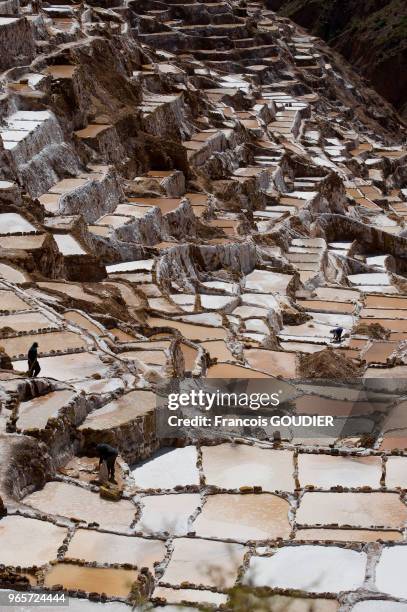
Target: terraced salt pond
(11, 301)
(36, 412)
(204, 562)
(315, 569)
(167, 469)
(326, 471)
(113, 582)
(355, 509)
(233, 466)
(62, 499)
(26, 321)
(244, 517)
(94, 546)
(54, 341)
(126, 408)
(27, 542)
(68, 367)
(167, 513)
(390, 571)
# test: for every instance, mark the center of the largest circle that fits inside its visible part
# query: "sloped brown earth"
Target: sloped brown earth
(371, 35)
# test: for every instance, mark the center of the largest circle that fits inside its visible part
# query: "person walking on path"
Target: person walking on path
(32, 357)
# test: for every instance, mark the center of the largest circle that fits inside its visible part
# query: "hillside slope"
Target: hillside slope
(371, 35)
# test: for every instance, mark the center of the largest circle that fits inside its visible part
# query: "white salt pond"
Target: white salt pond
(244, 517)
(68, 245)
(27, 542)
(167, 469)
(167, 513)
(232, 466)
(315, 569)
(204, 562)
(379, 605)
(111, 548)
(68, 367)
(126, 408)
(36, 412)
(13, 223)
(355, 509)
(326, 471)
(391, 571)
(175, 596)
(264, 281)
(62, 499)
(396, 472)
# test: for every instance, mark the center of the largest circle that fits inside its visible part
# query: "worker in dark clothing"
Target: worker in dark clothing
(109, 454)
(32, 357)
(337, 334)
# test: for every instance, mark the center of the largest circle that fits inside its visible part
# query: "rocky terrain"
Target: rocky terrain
(198, 190)
(371, 35)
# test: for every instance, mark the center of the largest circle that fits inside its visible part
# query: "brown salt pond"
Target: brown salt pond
(72, 316)
(10, 301)
(232, 466)
(275, 363)
(204, 562)
(53, 341)
(26, 321)
(109, 548)
(218, 349)
(36, 412)
(190, 331)
(27, 542)
(190, 356)
(167, 513)
(379, 352)
(167, 469)
(74, 291)
(68, 367)
(244, 517)
(126, 408)
(325, 471)
(348, 535)
(150, 357)
(71, 501)
(228, 370)
(113, 582)
(377, 313)
(315, 404)
(354, 509)
(317, 569)
(320, 306)
(381, 301)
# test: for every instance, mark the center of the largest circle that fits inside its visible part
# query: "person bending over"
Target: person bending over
(109, 454)
(32, 357)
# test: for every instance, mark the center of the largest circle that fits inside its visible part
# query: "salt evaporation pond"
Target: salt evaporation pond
(391, 571)
(199, 561)
(244, 517)
(27, 542)
(326, 471)
(379, 605)
(232, 466)
(356, 509)
(175, 596)
(396, 472)
(36, 412)
(167, 469)
(113, 582)
(315, 569)
(347, 535)
(167, 513)
(95, 546)
(62, 499)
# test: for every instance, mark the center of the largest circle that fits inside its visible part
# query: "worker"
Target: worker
(32, 357)
(337, 334)
(108, 454)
